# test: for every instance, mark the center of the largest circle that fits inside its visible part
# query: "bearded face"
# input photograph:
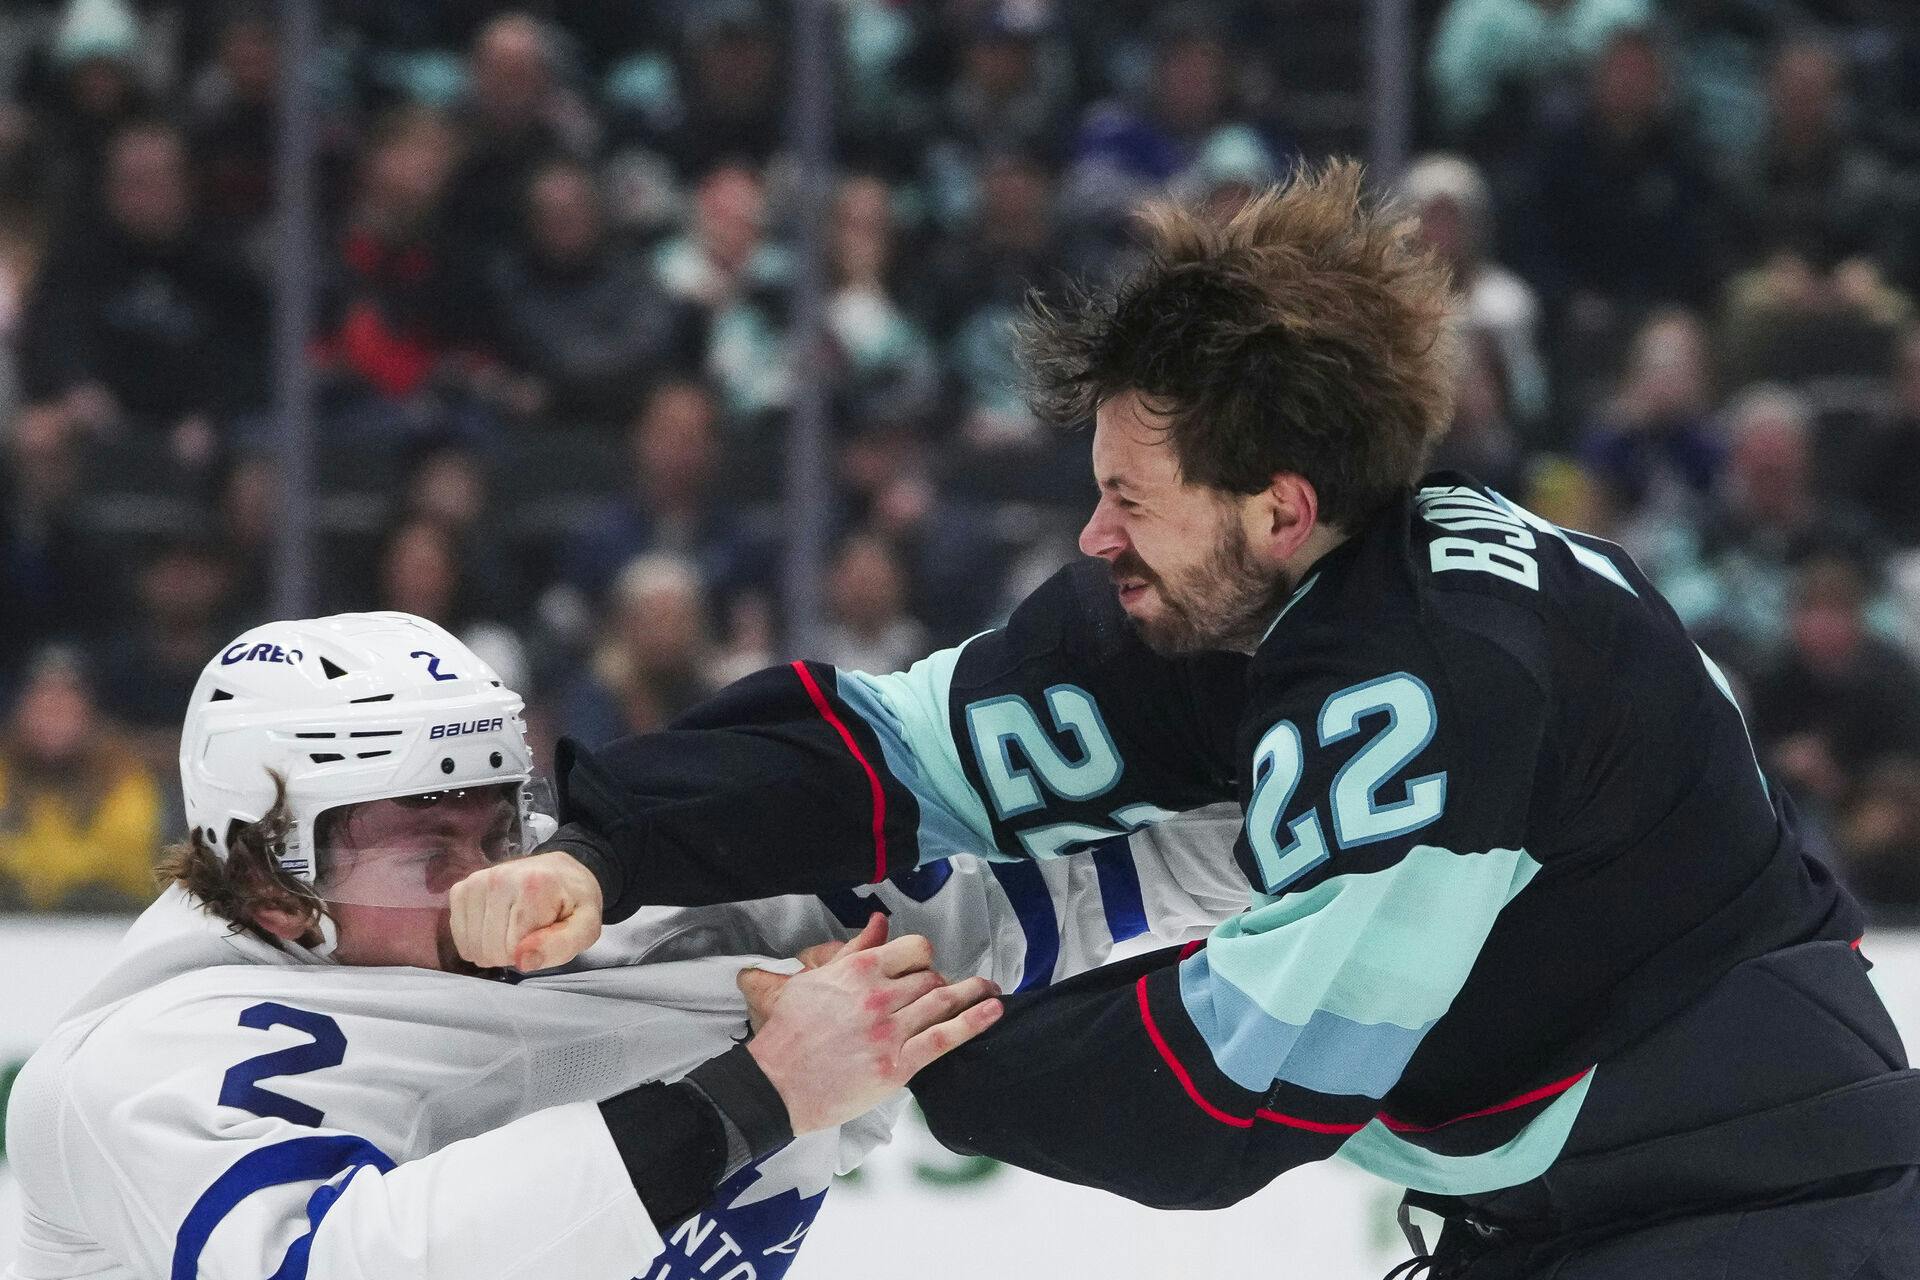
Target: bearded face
(1219, 598)
(1181, 562)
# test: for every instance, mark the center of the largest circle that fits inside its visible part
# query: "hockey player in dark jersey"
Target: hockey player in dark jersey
(1528, 930)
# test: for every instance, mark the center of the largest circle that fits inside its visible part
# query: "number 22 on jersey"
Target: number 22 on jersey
(1285, 850)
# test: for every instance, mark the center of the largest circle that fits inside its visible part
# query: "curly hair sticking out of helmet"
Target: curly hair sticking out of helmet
(248, 880)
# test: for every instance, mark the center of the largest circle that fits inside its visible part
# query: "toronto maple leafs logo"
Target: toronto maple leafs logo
(757, 1221)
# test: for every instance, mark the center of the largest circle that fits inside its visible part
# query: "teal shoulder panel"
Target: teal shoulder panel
(1388, 946)
(907, 711)
(1380, 1151)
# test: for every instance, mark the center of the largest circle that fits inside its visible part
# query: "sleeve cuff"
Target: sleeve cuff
(750, 1108)
(673, 1144)
(595, 853)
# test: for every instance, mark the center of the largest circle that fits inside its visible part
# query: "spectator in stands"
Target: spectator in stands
(727, 268)
(1721, 49)
(1654, 443)
(1839, 698)
(868, 626)
(1624, 207)
(1886, 479)
(80, 815)
(397, 313)
(733, 100)
(579, 320)
(448, 483)
(1456, 221)
(136, 319)
(1234, 166)
(1008, 96)
(1877, 839)
(1305, 72)
(97, 93)
(1490, 57)
(19, 255)
(247, 500)
(674, 502)
(1811, 185)
(1561, 491)
(886, 364)
(654, 659)
(1729, 574)
(232, 124)
(1806, 314)
(1127, 151)
(946, 542)
(420, 572)
(517, 115)
(1481, 441)
(58, 582)
(969, 294)
(182, 611)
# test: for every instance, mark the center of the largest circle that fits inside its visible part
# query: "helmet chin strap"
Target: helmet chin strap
(329, 939)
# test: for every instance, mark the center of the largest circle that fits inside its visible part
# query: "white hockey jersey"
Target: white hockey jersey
(216, 1107)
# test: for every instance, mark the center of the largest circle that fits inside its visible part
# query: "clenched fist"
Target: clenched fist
(530, 913)
(837, 1040)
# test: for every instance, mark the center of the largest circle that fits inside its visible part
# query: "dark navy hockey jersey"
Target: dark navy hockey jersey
(1503, 821)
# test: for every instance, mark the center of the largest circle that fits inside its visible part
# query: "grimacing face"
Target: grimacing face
(389, 865)
(1178, 552)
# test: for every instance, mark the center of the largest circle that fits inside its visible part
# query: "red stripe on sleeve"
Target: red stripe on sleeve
(879, 794)
(1311, 1126)
(1180, 1072)
(1525, 1099)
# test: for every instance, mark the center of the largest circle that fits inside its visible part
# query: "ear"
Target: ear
(286, 925)
(1281, 517)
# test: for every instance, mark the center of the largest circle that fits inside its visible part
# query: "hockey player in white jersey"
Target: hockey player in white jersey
(331, 1094)
(289, 1072)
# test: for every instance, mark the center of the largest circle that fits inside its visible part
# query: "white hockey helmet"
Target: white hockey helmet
(348, 708)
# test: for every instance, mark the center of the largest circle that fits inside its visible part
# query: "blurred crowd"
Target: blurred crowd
(555, 363)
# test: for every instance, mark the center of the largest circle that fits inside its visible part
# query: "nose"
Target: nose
(1101, 535)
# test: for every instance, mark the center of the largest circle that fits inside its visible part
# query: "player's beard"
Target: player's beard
(1227, 601)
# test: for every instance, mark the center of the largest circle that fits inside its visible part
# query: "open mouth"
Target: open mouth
(1130, 592)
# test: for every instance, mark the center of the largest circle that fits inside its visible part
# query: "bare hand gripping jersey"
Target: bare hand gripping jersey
(220, 1108)
(1520, 895)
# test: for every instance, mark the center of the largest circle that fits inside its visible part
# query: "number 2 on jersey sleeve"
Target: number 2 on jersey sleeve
(1284, 851)
(328, 1048)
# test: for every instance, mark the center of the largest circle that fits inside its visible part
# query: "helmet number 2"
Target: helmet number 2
(433, 665)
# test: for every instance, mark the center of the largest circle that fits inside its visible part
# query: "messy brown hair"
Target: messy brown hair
(1306, 333)
(249, 878)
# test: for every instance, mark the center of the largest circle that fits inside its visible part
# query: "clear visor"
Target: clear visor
(409, 851)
